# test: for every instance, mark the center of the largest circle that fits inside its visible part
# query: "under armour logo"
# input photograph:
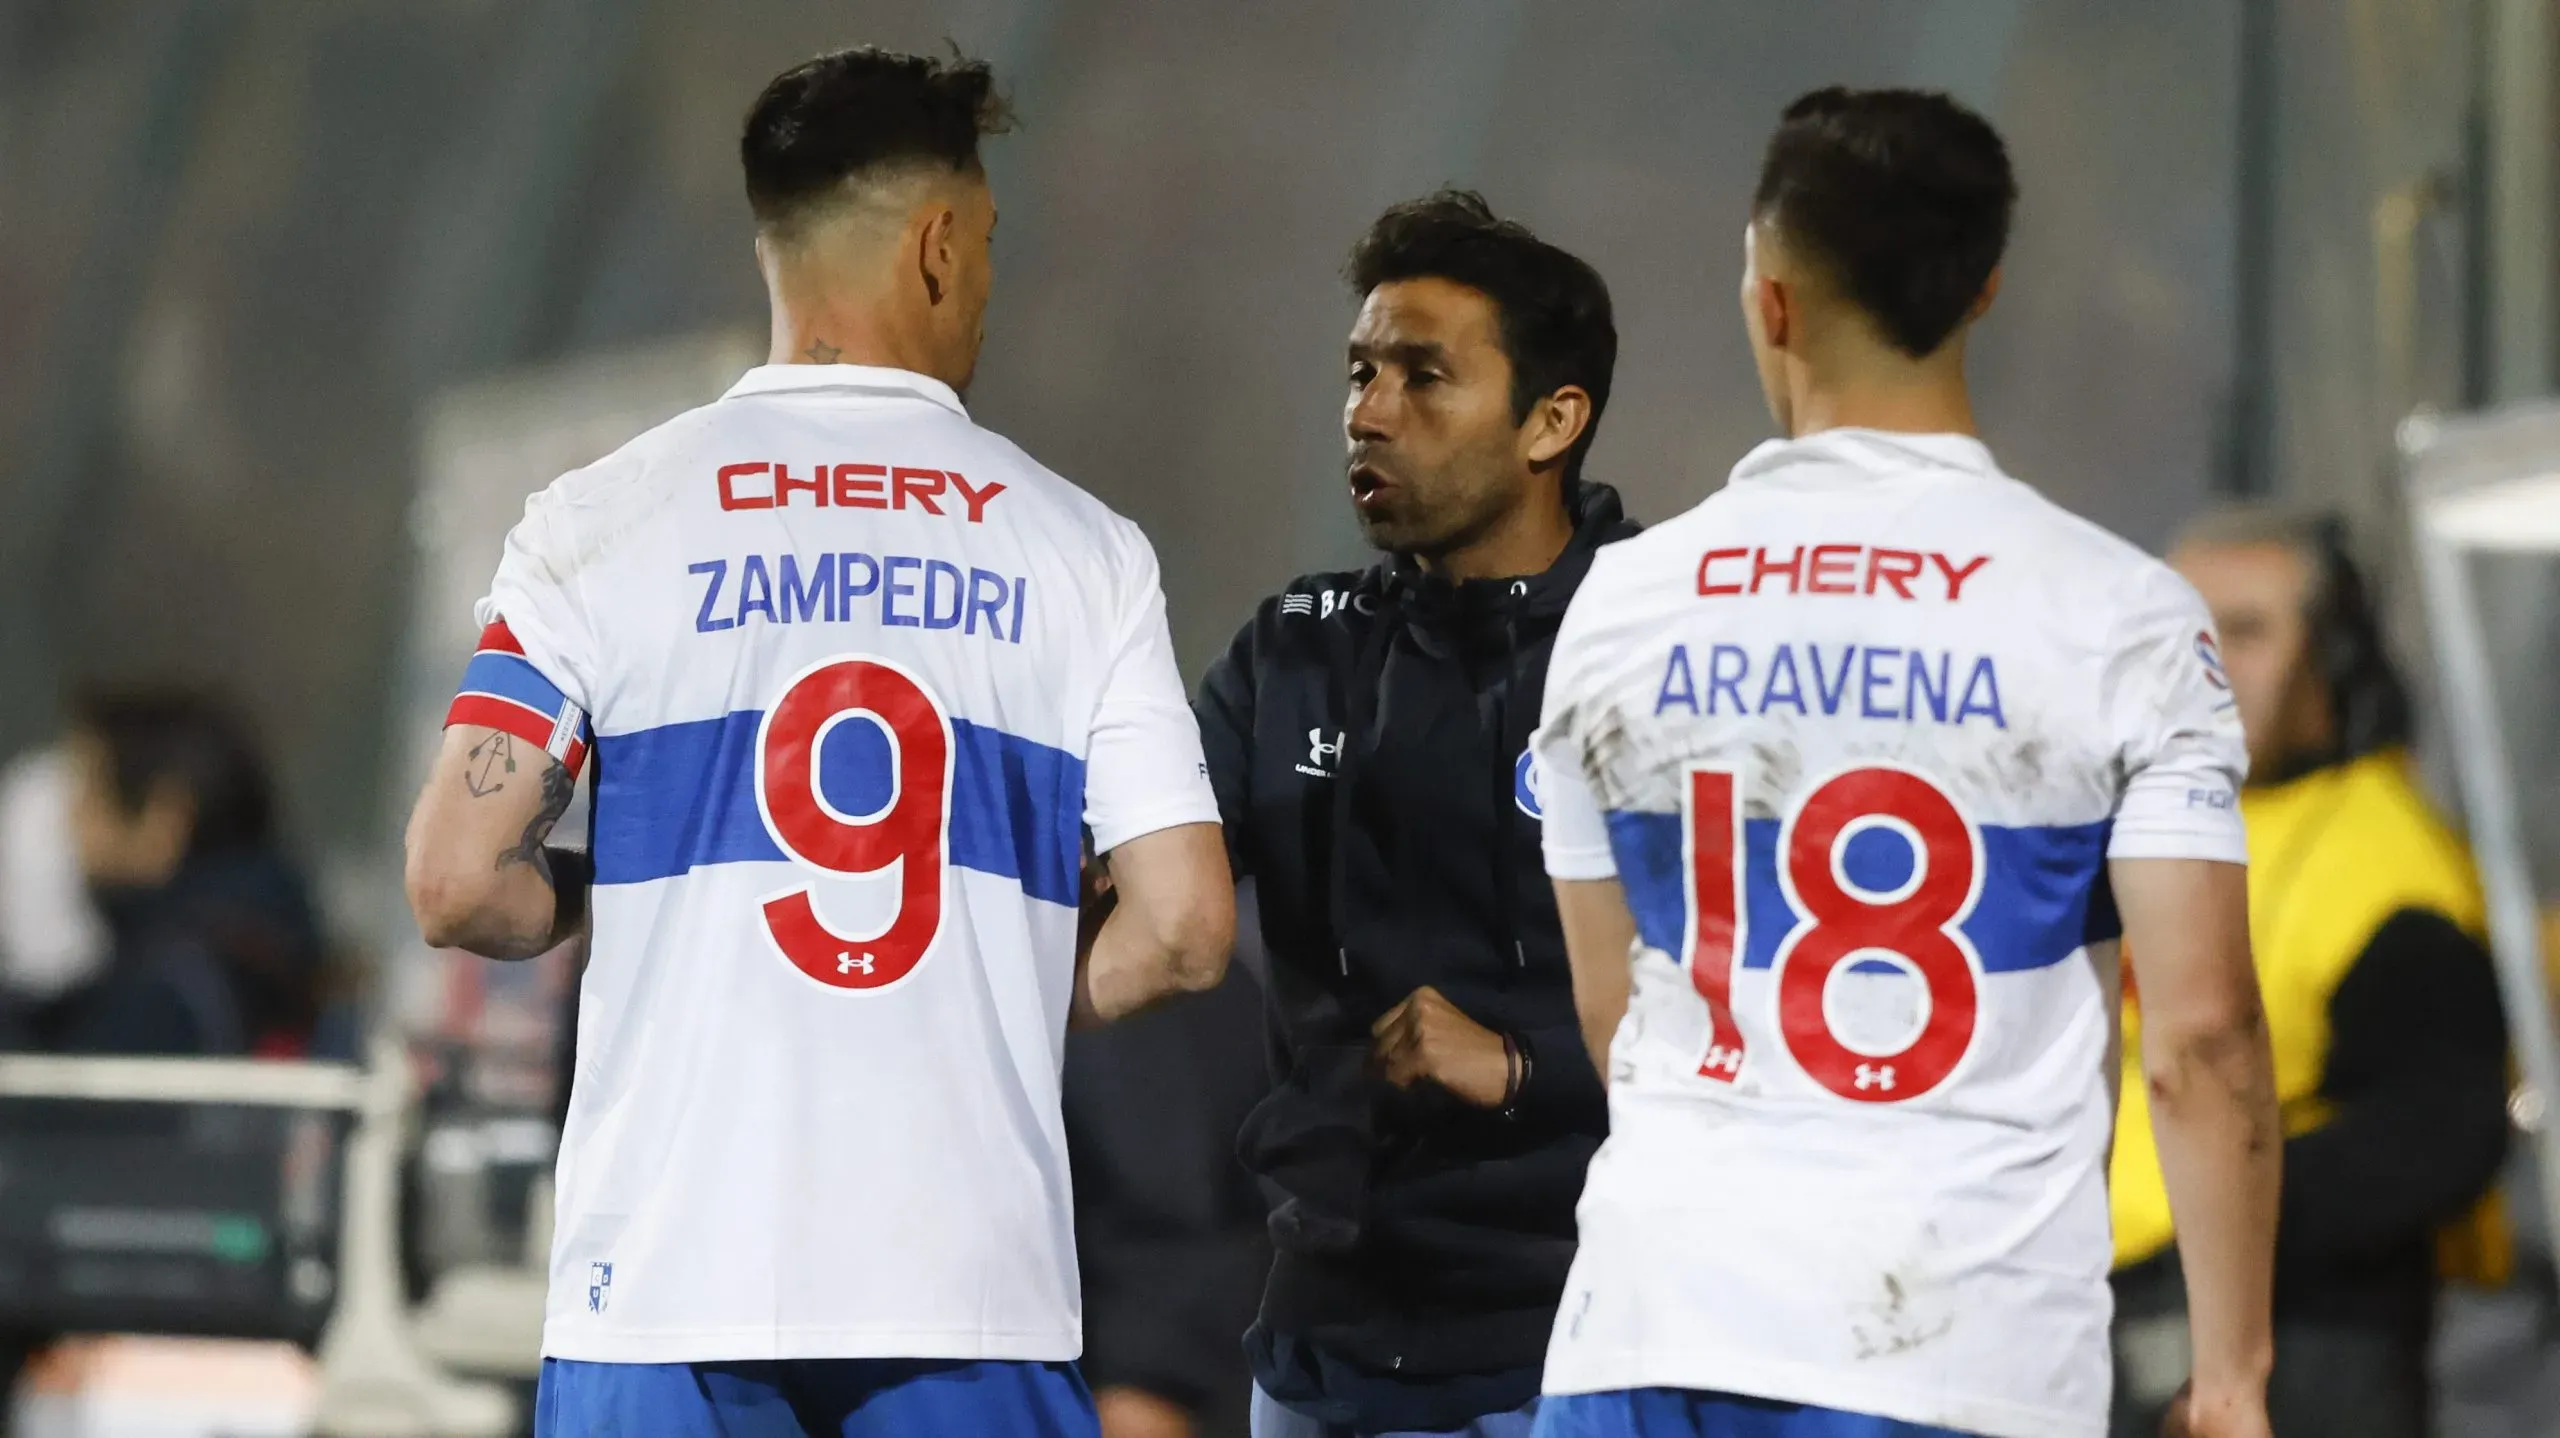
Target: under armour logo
(1322, 757)
(846, 963)
(1875, 1076)
(1721, 1057)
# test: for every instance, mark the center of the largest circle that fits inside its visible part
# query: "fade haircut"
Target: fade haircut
(862, 114)
(1553, 309)
(1903, 197)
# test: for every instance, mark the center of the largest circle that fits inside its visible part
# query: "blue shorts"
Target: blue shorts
(833, 1397)
(1674, 1413)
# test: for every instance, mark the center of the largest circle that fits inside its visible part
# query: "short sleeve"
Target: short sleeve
(531, 673)
(1576, 838)
(1144, 770)
(2177, 730)
(1576, 833)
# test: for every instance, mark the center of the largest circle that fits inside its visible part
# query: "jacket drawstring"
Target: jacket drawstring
(1506, 781)
(1359, 717)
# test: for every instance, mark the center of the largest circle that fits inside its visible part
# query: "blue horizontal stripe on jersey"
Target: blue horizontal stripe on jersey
(2044, 890)
(670, 799)
(511, 676)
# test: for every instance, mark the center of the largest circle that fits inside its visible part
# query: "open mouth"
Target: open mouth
(1368, 484)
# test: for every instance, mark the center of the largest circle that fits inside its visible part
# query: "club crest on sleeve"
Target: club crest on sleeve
(1527, 785)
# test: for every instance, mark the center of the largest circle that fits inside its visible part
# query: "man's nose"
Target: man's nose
(1370, 414)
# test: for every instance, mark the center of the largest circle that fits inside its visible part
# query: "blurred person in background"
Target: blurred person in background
(51, 937)
(1368, 737)
(2391, 1061)
(212, 943)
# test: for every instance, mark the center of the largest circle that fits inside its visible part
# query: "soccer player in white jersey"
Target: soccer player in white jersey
(855, 676)
(1856, 774)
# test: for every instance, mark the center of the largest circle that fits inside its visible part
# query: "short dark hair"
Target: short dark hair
(1556, 324)
(156, 736)
(830, 119)
(1904, 196)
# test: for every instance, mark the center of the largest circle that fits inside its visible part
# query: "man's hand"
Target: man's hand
(1426, 1037)
(2223, 1414)
(1136, 1413)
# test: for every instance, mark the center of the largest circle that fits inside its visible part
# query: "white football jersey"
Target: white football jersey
(858, 672)
(1858, 735)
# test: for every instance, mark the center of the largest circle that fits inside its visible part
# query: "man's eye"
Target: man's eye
(1361, 374)
(1422, 379)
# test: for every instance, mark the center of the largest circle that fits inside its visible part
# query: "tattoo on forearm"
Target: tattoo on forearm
(821, 352)
(492, 759)
(557, 787)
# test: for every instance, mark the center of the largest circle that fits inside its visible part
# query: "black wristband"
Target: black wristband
(573, 872)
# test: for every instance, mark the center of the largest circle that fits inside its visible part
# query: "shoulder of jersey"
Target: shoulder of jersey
(1075, 498)
(2077, 545)
(1672, 541)
(603, 479)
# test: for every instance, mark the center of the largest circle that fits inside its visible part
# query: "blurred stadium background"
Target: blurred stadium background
(299, 297)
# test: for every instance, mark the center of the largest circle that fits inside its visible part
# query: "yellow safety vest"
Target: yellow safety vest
(2332, 855)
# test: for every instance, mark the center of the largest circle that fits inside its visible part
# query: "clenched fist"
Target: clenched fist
(1426, 1037)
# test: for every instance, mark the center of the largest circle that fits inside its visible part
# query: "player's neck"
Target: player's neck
(1928, 409)
(1885, 391)
(1526, 541)
(819, 317)
(834, 335)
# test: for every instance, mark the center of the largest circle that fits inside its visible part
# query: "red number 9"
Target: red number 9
(910, 830)
(1915, 924)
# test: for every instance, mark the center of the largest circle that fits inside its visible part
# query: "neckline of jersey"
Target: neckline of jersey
(1937, 450)
(792, 378)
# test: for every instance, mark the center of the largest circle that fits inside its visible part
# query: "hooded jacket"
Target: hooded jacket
(1368, 737)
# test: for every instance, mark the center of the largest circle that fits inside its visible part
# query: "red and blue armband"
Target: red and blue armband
(503, 691)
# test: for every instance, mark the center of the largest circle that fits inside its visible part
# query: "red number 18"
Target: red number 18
(1915, 925)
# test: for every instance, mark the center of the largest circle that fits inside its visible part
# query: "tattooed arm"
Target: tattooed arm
(479, 876)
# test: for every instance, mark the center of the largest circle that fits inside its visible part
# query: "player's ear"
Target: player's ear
(1982, 301)
(1556, 422)
(936, 255)
(1777, 310)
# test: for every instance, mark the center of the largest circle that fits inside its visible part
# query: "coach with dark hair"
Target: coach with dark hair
(1368, 737)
